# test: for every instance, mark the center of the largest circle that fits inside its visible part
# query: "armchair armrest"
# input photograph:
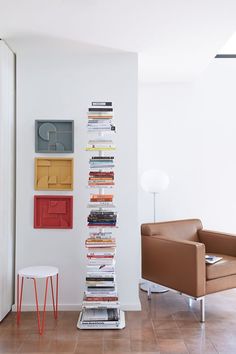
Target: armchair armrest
(179, 265)
(218, 242)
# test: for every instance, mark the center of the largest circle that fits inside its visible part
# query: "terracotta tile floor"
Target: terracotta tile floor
(166, 324)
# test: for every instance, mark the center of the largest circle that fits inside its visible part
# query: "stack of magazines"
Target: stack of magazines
(99, 162)
(101, 201)
(100, 144)
(107, 318)
(101, 179)
(100, 119)
(100, 241)
(102, 218)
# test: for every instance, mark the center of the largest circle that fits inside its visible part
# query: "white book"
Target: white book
(98, 292)
(98, 325)
(100, 274)
(210, 259)
(100, 141)
(90, 315)
(99, 246)
(101, 205)
(101, 252)
(99, 284)
(100, 304)
(98, 268)
(101, 262)
(100, 234)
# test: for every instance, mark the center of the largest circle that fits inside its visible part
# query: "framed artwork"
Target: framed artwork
(53, 174)
(53, 212)
(54, 136)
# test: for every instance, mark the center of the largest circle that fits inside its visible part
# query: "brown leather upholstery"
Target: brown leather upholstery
(178, 265)
(217, 242)
(223, 268)
(173, 255)
(177, 230)
(220, 284)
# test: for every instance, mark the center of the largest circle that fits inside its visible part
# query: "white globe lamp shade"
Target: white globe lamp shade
(154, 181)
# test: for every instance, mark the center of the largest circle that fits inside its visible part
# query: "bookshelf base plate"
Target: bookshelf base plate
(121, 325)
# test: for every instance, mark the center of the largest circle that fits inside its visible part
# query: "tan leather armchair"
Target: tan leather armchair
(173, 255)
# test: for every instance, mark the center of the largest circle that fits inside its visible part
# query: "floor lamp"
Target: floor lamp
(154, 182)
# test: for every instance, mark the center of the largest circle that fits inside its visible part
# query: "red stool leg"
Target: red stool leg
(19, 297)
(44, 306)
(53, 301)
(57, 296)
(37, 304)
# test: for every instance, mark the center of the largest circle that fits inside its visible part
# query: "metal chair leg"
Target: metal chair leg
(149, 293)
(202, 309)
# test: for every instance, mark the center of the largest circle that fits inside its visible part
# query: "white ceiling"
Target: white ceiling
(175, 39)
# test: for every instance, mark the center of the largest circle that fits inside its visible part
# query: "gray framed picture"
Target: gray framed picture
(54, 136)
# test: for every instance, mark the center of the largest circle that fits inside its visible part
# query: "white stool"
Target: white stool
(34, 273)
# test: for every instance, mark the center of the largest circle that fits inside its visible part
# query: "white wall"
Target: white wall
(7, 177)
(59, 79)
(189, 131)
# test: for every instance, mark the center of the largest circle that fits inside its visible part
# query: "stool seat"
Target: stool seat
(38, 272)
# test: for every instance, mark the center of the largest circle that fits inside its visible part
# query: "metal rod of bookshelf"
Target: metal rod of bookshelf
(101, 307)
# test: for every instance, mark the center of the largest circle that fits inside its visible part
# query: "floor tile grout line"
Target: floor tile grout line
(158, 340)
(214, 346)
(155, 335)
(103, 343)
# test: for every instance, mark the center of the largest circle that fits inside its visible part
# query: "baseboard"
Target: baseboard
(76, 307)
(131, 307)
(61, 307)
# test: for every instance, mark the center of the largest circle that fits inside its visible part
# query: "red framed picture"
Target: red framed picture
(53, 212)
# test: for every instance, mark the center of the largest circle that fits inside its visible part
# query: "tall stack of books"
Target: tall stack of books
(101, 307)
(101, 200)
(101, 179)
(100, 118)
(100, 144)
(98, 162)
(102, 218)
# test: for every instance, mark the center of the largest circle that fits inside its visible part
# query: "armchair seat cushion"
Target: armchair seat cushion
(222, 268)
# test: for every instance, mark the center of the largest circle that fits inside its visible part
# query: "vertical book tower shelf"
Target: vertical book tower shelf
(101, 307)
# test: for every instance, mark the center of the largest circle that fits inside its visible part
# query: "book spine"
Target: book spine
(101, 103)
(100, 109)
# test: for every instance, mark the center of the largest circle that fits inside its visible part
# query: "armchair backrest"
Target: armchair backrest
(177, 230)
